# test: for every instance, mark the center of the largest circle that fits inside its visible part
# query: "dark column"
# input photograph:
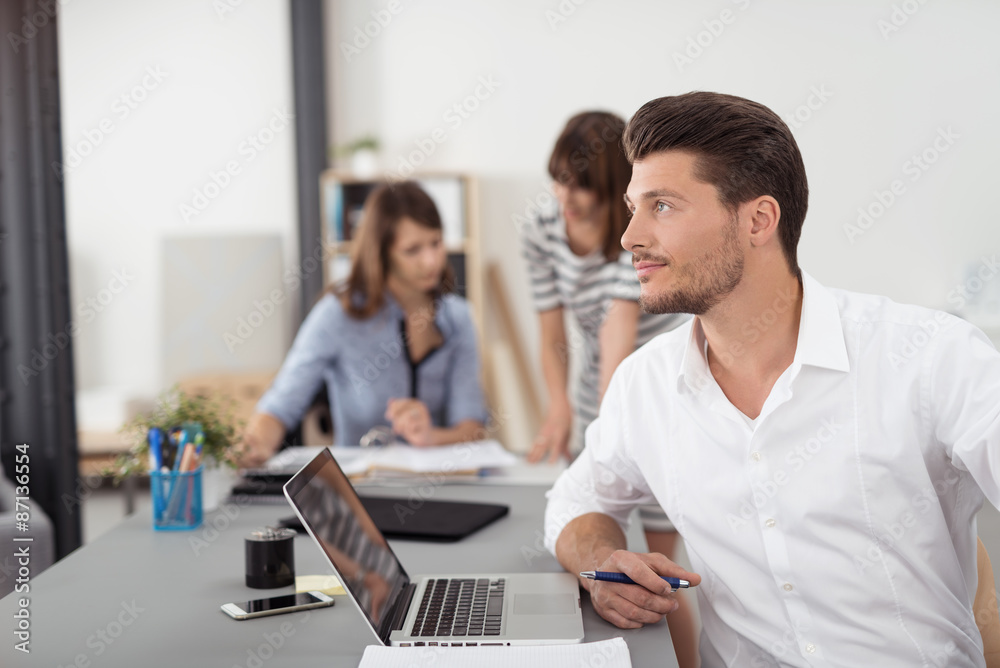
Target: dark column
(36, 334)
(308, 58)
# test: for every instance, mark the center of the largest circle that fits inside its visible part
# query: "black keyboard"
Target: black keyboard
(460, 607)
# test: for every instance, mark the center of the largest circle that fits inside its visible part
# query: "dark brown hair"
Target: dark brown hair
(589, 155)
(363, 293)
(741, 147)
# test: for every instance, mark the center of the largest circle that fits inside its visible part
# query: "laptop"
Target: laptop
(448, 610)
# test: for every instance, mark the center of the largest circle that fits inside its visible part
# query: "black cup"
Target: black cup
(270, 558)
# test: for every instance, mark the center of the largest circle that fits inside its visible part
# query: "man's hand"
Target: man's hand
(552, 441)
(632, 606)
(411, 420)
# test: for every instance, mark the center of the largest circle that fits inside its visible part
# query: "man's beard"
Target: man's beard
(704, 282)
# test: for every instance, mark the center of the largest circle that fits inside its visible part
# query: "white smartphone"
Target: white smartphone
(262, 607)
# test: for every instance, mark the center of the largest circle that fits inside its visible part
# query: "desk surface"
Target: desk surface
(138, 597)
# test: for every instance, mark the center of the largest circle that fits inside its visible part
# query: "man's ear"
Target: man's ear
(764, 213)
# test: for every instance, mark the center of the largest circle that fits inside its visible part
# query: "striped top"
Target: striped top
(585, 285)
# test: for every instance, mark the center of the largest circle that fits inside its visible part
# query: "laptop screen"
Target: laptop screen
(330, 509)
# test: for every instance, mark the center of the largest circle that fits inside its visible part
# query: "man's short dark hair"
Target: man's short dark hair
(741, 147)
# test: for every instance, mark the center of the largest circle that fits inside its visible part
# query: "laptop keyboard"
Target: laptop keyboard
(460, 607)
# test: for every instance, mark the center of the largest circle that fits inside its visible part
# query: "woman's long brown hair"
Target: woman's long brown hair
(589, 155)
(363, 293)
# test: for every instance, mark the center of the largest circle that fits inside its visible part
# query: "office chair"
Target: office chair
(43, 546)
(985, 609)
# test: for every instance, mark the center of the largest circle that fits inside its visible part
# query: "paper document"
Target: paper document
(611, 653)
(356, 461)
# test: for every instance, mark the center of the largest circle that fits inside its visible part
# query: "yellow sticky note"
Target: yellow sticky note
(328, 584)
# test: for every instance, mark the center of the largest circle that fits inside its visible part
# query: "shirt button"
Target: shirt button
(770, 523)
(787, 587)
(755, 456)
(811, 648)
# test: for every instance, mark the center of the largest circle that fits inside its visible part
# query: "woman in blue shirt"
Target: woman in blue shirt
(391, 345)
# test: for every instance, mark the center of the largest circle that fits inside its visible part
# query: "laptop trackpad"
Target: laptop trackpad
(544, 604)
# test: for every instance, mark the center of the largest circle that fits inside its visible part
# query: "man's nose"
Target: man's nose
(635, 234)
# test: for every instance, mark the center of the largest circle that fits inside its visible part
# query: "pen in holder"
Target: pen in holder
(176, 499)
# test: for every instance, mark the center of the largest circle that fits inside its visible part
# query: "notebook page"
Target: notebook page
(611, 653)
(442, 459)
(446, 458)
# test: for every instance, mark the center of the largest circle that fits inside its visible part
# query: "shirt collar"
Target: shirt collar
(392, 307)
(694, 370)
(821, 334)
(820, 342)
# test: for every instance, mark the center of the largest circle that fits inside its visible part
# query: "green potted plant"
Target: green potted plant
(363, 156)
(220, 452)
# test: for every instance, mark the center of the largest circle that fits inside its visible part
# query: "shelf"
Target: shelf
(347, 247)
(343, 198)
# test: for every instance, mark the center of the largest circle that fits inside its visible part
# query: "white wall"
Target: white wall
(220, 77)
(889, 94)
(225, 75)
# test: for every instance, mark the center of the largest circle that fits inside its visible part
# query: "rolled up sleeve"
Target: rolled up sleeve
(604, 478)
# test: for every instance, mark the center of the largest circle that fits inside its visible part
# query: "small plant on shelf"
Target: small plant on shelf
(364, 143)
(362, 154)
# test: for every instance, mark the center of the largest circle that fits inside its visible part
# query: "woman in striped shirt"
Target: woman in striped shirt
(576, 263)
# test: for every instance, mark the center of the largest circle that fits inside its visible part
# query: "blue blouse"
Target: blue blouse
(366, 362)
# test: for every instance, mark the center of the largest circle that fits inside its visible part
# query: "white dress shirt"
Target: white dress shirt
(839, 527)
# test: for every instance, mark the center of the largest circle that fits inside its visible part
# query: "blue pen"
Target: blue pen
(621, 578)
(155, 438)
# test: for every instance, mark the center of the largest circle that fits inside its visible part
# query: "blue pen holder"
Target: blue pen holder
(176, 500)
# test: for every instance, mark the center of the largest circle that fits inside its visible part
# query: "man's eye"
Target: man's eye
(662, 207)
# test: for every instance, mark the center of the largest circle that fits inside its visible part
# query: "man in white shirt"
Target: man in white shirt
(823, 453)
